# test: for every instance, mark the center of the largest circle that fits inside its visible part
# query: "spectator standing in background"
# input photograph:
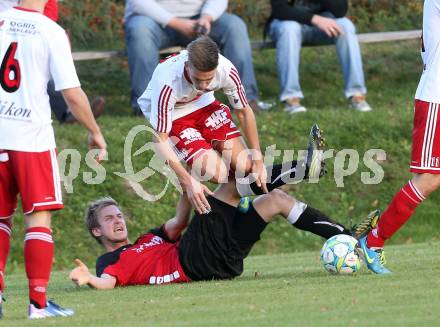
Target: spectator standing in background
(154, 24)
(293, 23)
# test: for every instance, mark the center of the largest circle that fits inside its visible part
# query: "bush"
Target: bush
(93, 24)
(98, 23)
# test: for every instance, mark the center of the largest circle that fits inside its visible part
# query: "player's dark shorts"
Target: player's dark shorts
(215, 245)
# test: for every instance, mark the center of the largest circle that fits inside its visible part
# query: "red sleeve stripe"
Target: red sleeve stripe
(162, 106)
(241, 84)
(234, 76)
(165, 108)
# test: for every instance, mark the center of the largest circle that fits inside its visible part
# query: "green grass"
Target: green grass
(392, 73)
(291, 290)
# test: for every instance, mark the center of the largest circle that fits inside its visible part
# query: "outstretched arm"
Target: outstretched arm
(177, 224)
(81, 276)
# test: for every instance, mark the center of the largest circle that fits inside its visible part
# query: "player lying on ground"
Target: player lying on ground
(213, 246)
(180, 105)
(425, 157)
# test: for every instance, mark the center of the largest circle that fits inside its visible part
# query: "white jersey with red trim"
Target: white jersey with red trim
(171, 94)
(429, 85)
(32, 49)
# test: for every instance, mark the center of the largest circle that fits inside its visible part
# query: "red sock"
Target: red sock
(38, 256)
(398, 212)
(5, 235)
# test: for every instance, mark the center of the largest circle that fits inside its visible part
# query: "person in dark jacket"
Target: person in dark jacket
(294, 23)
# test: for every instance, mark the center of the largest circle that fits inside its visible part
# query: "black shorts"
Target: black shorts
(215, 244)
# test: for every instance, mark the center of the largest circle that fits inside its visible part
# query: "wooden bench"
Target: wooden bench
(258, 45)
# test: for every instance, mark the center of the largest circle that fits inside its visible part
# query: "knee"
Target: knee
(234, 29)
(141, 30)
(278, 197)
(212, 169)
(286, 30)
(346, 25)
(433, 184)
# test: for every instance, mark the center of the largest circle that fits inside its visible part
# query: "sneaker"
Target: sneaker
(375, 259)
(294, 108)
(258, 105)
(314, 162)
(359, 104)
(51, 310)
(364, 227)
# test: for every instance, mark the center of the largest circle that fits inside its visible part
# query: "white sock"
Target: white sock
(243, 186)
(297, 210)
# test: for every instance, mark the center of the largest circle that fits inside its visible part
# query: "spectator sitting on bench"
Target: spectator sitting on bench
(293, 23)
(154, 24)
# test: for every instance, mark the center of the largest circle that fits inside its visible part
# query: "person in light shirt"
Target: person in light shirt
(33, 49)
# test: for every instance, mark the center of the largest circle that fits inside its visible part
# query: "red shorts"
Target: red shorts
(193, 134)
(425, 156)
(35, 176)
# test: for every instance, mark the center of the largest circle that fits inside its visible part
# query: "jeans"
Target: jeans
(290, 35)
(145, 38)
(57, 102)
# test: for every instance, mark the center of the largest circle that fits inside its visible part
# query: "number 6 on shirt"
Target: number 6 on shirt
(9, 64)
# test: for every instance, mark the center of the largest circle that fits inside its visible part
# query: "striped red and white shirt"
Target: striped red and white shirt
(171, 94)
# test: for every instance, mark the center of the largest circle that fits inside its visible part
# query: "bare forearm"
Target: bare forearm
(79, 105)
(248, 123)
(168, 155)
(101, 283)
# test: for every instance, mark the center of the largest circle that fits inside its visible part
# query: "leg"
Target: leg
(37, 178)
(235, 153)
(5, 239)
(209, 167)
(402, 207)
(288, 38)
(8, 205)
(249, 225)
(144, 39)
(425, 163)
(38, 255)
(349, 54)
(230, 33)
(297, 213)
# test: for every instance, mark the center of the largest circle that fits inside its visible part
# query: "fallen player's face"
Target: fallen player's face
(201, 80)
(112, 224)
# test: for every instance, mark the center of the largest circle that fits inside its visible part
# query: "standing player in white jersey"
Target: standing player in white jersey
(32, 49)
(179, 102)
(425, 157)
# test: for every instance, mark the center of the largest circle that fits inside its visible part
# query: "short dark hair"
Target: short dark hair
(203, 54)
(91, 218)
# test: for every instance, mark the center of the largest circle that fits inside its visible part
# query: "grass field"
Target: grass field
(392, 72)
(291, 290)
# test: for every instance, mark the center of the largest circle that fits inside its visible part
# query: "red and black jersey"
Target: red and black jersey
(152, 259)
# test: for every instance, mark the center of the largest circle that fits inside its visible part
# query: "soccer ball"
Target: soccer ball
(338, 255)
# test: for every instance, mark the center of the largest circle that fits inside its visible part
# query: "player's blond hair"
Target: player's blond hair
(91, 218)
(203, 54)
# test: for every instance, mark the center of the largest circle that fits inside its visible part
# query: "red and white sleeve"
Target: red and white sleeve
(162, 105)
(234, 90)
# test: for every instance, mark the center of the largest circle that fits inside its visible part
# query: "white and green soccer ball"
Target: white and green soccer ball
(338, 255)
